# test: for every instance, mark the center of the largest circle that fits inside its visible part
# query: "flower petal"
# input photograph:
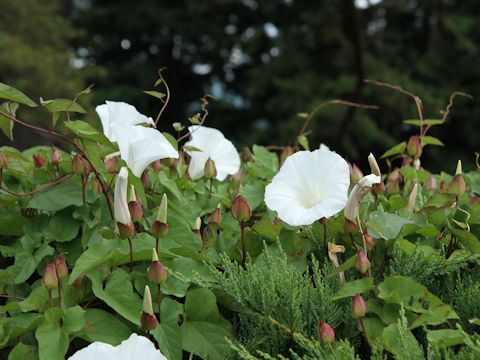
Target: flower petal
(120, 204)
(96, 351)
(138, 348)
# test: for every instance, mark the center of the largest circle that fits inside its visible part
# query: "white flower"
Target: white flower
(140, 146)
(134, 348)
(356, 195)
(212, 144)
(120, 204)
(309, 186)
(114, 113)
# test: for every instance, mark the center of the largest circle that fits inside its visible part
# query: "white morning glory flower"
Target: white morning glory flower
(309, 186)
(120, 204)
(140, 146)
(134, 348)
(116, 113)
(212, 144)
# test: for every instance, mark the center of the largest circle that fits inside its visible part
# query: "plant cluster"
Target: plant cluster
(207, 252)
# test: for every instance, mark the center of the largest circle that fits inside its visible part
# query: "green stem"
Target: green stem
(244, 243)
(158, 300)
(131, 253)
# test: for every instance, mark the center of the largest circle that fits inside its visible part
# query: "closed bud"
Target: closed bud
(38, 161)
(326, 333)
(246, 154)
(148, 321)
(145, 180)
(210, 169)
(97, 186)
(80, 165)
(3, 161)
(349, 226)
(362, 264)
(286, 152)
(56, 156)
(412, 198)
(374, 168)
(157, 166)
(50, 277)
(126, 231)
(134, 206)
(456, 186)
(416, 164)
(359, 307)
(414, 147)
(355, 174)
(474, 201)
(215, 216)
(111, 164)
(431, 183)
(378, 189)
(162, 214)
(61, 266)
(156, 271)
(240, 209)
(369, 241)
(393, 182)
(159, 229)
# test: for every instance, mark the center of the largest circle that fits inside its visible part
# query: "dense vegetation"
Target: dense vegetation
(246, 268)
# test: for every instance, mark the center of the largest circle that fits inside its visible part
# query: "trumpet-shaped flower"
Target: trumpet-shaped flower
(356, 195)
(134, 348)
(115, 113)
(120, 204)
(139, 146)
(309, 186)
(211, 144)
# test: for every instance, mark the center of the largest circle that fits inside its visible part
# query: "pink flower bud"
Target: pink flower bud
(159, 229)
(414, 147)
(56, 156)
(157, 166)
(369, 241)
(457, 185)
(80, 166)
(38, 161)
(215, 216)
(135, 209)
(61, 266)
(349, 226)
(359, 307)
(3, 161)
(156, 271)
(355, 174)
(431, 183)
(145, 180)
(148, 321)
(413, 198)
(363, 264)
(50, 277)
(326, 333)
(126, 231)
(240, 209)
(210, 169)
(210, 233)
(111, 164)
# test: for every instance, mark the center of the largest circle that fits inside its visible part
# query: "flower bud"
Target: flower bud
(378, 188)
(210, 169)
(326, 333)
(413, 198)
(355, 174)
(457, 185)
(156, 271)
(38, 161)
(50, 277)
(369, 241)
(414, 147)
(163, 210)
(56, 156)
(197, 226)
(474, 201)
(3, 161)
(393, 182)
(349, 226)
(97, 186)
(362, 264)
(159, 229)
(431, 183)
(157, 166)
(111, 164)
(126, 231)
(286, 152)
(240, 209)
(148, 321)
(145, 180)
(416, 164)
(134, 206)
(375, 169)
(216, 216)
(80, 165)
(61, 267)
(246, 154)
(359, 307)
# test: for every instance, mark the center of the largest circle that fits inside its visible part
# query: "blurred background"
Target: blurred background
(264, 61)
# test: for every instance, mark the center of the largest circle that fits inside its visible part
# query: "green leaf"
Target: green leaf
(171, 140)
(426, 122)
(168, 332)
(118, 294)
(303, 140)
(63, 105)
(352, 288)
(103, 326)
(266, 228)
(53, 334)
(205, 330)
(86, 131)
(397, 149)
(6, 124)
(154, 93)
(445, 337)
(23, 352)
(395, 340)
(11, 223)
(62, 227)
(12, 94)
(58, 197)
(254, 193)
(384, 225)
(265, 163)
(27, 257)
(429, 140)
